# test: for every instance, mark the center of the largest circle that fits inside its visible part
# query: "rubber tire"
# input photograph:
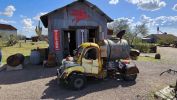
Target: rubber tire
(73, 79)
(129, 77)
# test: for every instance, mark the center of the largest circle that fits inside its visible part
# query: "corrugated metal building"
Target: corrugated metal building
(73, 24)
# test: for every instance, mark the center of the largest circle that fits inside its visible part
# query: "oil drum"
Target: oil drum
(35, 57)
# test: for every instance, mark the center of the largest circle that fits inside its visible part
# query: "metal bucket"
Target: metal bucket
(15, 60)
(35, 57)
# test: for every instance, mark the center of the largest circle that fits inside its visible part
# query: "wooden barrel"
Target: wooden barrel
(15, 60)
(35, 57)
(0, 56)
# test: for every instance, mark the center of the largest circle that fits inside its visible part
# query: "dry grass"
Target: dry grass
(25, 49)
(147, 59)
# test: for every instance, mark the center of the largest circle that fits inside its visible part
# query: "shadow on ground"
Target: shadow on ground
(54, 91)
(28, 73)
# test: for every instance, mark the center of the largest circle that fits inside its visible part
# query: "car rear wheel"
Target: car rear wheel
(129, 77)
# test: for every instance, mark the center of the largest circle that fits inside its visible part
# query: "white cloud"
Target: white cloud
(148, 5)
(116, 22)
(4, 21)
(166, 23)
(9, 11)
(133, 1)
(37, 17)
(28, 24)
(175, 7)
(161, 20)
(149, 21)
(114, 2)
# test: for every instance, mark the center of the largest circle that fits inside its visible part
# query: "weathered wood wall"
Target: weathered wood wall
(62, 19)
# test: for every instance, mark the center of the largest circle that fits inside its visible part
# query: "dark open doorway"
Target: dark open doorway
(69, 42)
(93, 35)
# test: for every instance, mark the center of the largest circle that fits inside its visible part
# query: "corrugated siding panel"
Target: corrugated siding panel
(62, 20)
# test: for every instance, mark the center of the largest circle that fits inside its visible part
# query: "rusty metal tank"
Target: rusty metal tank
(115, 49)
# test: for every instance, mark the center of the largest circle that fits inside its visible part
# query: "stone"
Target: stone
(165, 94)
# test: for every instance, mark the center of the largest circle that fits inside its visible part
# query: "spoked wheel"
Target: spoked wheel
(77, 82)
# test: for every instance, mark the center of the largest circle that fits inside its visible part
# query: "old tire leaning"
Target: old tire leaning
(129, 77)
(77, 81)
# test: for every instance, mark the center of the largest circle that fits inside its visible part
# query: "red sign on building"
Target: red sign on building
(79, 14)
(56, 39)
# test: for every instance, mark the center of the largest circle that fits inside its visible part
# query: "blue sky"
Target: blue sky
(24, 14)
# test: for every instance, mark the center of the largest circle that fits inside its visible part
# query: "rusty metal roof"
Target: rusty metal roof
(7, 27)
(44, 18)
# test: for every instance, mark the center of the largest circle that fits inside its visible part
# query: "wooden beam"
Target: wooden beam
(83, 27)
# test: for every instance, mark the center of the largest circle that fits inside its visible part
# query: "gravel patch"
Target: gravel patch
(35, 82)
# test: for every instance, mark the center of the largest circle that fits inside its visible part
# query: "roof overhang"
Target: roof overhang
(44, 18)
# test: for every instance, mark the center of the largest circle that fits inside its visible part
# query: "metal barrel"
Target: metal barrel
(35, 57)
(115, 49)
(15, 60)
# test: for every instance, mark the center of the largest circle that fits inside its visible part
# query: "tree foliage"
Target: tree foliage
(12, 40)
(118, 25)
(21, 37)
(132, 31)
(139, 30)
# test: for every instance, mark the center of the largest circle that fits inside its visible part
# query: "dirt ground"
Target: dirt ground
(35, 82)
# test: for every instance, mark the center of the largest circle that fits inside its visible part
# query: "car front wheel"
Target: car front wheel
(77, 81)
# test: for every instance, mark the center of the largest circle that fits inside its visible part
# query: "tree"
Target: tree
(139, 30)
(21, 37)
(132, 32)
(118, 25)
(12, 40)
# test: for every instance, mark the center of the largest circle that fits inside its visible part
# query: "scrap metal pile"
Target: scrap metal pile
(169, 92)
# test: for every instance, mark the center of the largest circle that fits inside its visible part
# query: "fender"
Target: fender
(132, 69)
(68, 71)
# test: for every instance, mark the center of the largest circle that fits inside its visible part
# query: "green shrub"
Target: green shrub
(144, 47)
(12, 41)
(32, 43)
